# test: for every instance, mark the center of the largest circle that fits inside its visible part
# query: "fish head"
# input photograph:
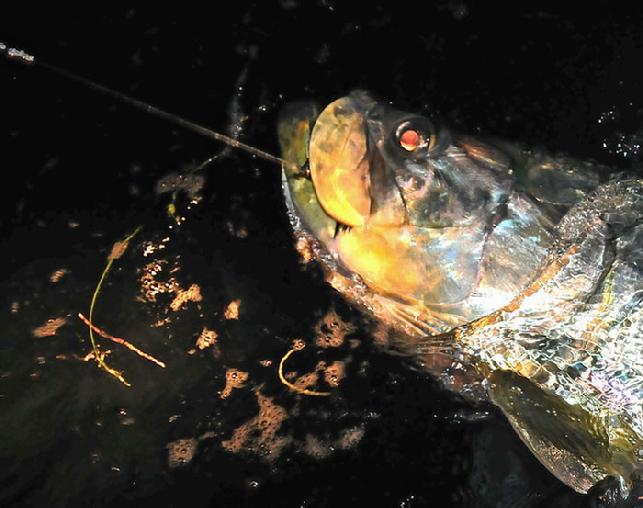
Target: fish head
(432, 231)
(398, 202)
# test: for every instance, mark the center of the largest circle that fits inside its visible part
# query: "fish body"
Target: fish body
(511, 275)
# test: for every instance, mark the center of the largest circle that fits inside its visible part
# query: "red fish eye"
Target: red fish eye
(410, 140)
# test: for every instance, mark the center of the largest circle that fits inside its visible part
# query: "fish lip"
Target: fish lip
(294, 124)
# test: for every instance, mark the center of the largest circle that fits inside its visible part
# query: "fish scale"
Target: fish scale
(591, 316)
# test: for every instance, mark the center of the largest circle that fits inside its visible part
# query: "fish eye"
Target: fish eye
(412, 138)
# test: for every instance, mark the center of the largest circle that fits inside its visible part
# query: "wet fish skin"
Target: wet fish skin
(508, 273)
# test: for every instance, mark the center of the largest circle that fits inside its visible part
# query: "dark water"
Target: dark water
(81, 171)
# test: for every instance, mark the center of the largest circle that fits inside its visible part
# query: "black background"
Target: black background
(567, 77)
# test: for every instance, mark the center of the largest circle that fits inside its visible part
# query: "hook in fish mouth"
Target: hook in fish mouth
(304, 171)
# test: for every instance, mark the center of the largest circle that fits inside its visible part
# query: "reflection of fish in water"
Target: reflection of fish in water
(508, 274)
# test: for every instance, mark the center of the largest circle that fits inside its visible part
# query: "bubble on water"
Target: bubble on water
(305, 249)
(323, 55)
(137, 58)
(331, 330)
(334, 373)
(408, 501)
(234, 379)
(239, 231)
(232, 310)
(207, 338)
(57, 275)
(459, 10)
(181, 452)
(306, 381)
(50, 327)
(316, 448)
(288, 5)
(349, 438)
(156, 279)
(328, 4)
(125, 418)
(253, 484)
(259, 435)
(626, 146)
(49, 165)
(190, 183)
(607, 116)
(183, 296)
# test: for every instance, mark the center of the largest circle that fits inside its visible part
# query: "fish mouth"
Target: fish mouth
(294, 126)
(333, 149)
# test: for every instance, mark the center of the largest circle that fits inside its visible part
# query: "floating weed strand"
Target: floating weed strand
(122, 342)
(117, 251)
(303, 391)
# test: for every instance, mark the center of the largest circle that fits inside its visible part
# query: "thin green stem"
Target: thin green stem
(97, 356)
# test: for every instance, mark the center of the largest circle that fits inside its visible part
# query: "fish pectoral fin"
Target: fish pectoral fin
(571, 443)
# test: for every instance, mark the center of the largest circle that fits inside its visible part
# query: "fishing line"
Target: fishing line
(28, 59)
(25, 58)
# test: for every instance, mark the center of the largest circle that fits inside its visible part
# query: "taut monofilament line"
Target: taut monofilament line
(28, 59)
